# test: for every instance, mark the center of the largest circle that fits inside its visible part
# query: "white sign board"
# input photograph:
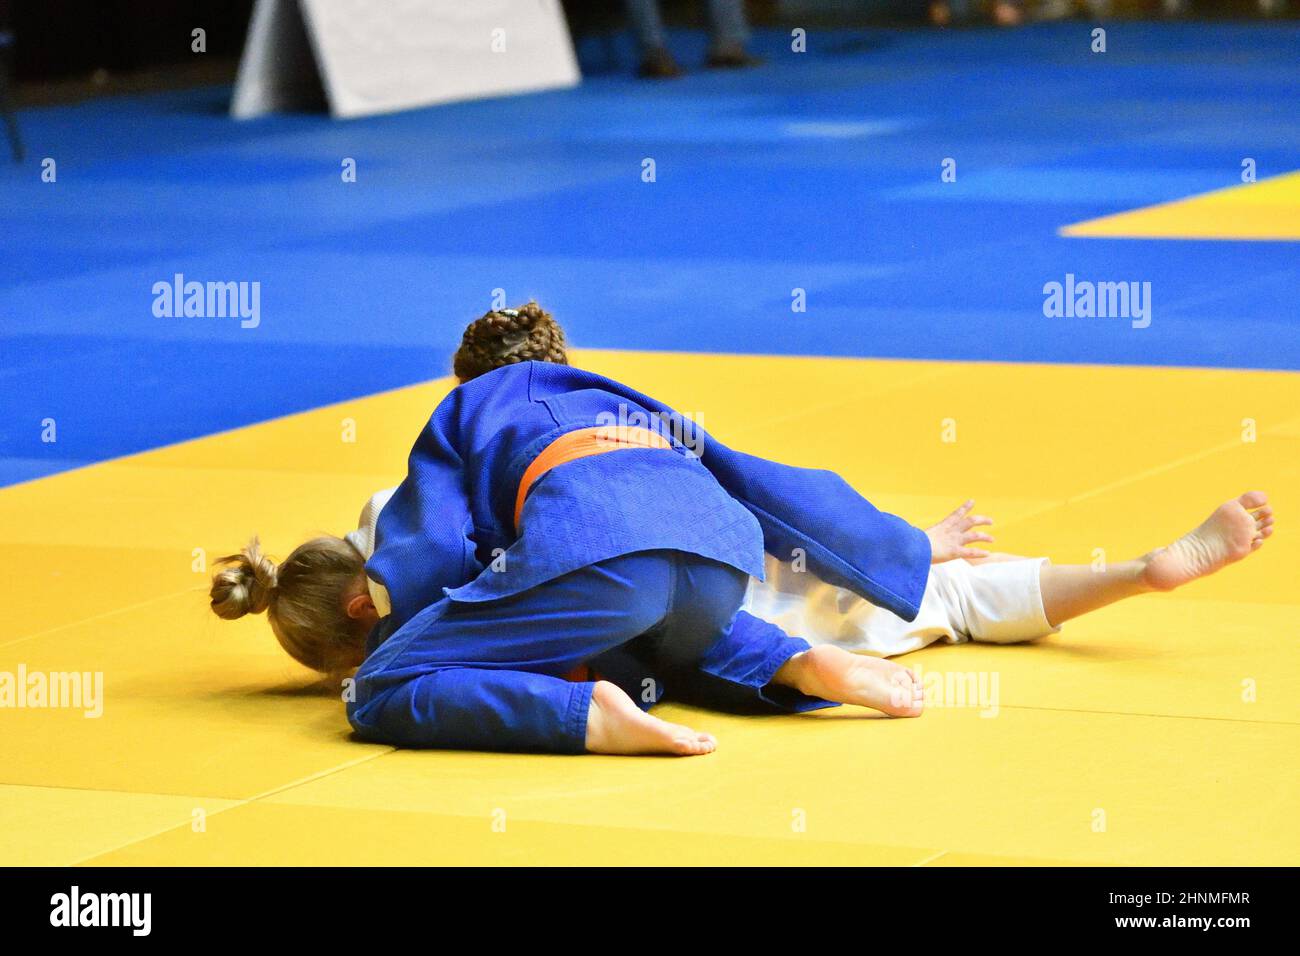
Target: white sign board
(380, 56)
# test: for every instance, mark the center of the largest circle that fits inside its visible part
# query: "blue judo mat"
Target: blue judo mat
(819, 171)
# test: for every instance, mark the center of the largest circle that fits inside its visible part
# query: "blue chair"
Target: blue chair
(6, 103)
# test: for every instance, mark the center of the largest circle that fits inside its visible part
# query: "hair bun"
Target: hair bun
(507, 337)
(246, 585)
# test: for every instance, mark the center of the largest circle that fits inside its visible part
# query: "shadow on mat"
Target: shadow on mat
(323, 687)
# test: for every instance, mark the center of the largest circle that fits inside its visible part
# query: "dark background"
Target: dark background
(64, 49)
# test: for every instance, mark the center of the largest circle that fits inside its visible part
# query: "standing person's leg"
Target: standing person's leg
(730, 35)
(944, 12)
(1008, 13)
(648, 28)
(647, 25)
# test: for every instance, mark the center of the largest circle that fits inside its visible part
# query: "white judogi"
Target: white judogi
(363, 539)
(997, 602)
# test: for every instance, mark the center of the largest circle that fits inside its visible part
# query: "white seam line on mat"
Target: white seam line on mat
(1133, 478)
(1168, 466)
(310, 778)
(1152, 472)
(235, 805)
(1129, 713)
(930, 859)
(97, 617)
(113, 790)
(870, 392)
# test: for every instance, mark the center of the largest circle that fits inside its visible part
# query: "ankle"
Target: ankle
(808, 671)
(1139, 577)
(794, 673)
(599, 717)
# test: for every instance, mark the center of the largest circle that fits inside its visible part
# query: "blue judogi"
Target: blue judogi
(635, 559)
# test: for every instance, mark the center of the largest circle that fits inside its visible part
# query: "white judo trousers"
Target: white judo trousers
(998, 602)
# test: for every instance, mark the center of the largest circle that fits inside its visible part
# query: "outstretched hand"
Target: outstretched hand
(951, 536)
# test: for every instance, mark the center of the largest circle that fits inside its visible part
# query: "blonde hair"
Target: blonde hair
(305, 598)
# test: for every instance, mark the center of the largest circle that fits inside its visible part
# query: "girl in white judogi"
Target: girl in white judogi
(971, 595)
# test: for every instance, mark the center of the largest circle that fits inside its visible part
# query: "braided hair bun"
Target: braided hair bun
(245, 584)
(507, 337)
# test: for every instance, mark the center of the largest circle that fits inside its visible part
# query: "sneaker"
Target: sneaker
(659, 65)
(732, 58)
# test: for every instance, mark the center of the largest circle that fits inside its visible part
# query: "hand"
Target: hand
(950, 537)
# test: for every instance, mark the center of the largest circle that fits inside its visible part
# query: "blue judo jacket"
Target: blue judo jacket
(448, 533)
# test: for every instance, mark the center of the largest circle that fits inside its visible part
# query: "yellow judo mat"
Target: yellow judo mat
(1266, 210)
(1164, 730)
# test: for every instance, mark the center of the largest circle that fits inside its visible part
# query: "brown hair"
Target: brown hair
(507, 337)
(305, 599)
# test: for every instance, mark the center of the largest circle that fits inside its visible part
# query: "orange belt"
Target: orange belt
(580, 444)
(570, 447)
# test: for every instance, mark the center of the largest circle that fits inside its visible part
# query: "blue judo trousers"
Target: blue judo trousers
(633, 562)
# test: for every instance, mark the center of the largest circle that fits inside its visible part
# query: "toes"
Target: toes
(691, 747)
(906, 694)
(688, 743)
(1261, 533)
(1252, 500)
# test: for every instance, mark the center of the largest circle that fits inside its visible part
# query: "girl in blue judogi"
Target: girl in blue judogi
(565, 551)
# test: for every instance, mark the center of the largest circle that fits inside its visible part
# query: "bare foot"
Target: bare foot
(1234, 530)
(832, 673)
(615, 725)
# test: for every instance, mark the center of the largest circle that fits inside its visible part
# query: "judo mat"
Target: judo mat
(1163, 730)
